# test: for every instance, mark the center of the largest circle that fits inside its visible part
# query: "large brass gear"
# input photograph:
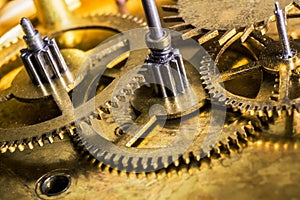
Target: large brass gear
(41, 127)
(119, 140)
(227, 21)
(267, 80)
(266, 99)
(236, 46)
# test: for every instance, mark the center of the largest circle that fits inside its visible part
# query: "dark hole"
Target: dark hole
(55, 185)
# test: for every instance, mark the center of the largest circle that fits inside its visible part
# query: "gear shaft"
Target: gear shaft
(165, 64)
(282, 32)
(42, 58)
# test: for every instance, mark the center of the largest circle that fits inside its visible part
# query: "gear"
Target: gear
(19, 130)
(264, 81)
(225, 19)
(130, 140)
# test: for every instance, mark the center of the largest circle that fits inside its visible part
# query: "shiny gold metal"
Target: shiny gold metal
(256, 156)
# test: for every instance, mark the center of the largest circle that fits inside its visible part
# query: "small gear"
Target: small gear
(30, 128)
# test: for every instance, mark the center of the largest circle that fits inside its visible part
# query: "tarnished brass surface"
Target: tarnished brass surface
(263, 170)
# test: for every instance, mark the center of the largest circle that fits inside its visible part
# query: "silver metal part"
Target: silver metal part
(165, 66)
(282, 32)
(32, 37)
(153, 19)
(42, 59)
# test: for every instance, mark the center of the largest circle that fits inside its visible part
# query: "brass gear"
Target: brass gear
(107, 141)
(260, 80)
(266, 69)
(221, 19)
(27, 128)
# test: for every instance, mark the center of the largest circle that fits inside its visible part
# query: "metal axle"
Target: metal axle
(282, 32)
(153, 20)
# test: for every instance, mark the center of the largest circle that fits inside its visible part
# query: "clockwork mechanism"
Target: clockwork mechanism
(213, 99)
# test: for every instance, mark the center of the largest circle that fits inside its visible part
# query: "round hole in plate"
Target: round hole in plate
(54, 185)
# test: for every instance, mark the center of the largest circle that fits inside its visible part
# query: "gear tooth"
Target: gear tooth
(155, 166)
(130, 17)
(260, 113)
(116, 158)
(134, 85)
(139, 78)
(176, 163)
(12, 147)
(125, 162)
(208, 154)
(151, 175)
(172, 173)
(161, 174)
(121, 98)
(187, 160)
(166, 161)
(30, 144)
(223, 141)
(135, 19)
(216, 150)
(101, 156)
(40, 142)
(249, 129)
(289, 111)
(114, 172)
(3, 147)
(228, 101)
(122, 174)
(93, 160)
(114, 104)
(270, 113)
(144, 164)
(279, 112)
(124, 16)
(222, 98)
(210, 88)
(127, 91)
(99, 165)
(252, 112)
(71, 130)
(134, 162)
(235, 104)
(61, 135)
(21, 147)
(180, 172)
(198, 157)
(242, 134)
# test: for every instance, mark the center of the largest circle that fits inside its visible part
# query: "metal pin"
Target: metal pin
(27, 27)
(282, 32)
(32, 37)
(153, 20)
